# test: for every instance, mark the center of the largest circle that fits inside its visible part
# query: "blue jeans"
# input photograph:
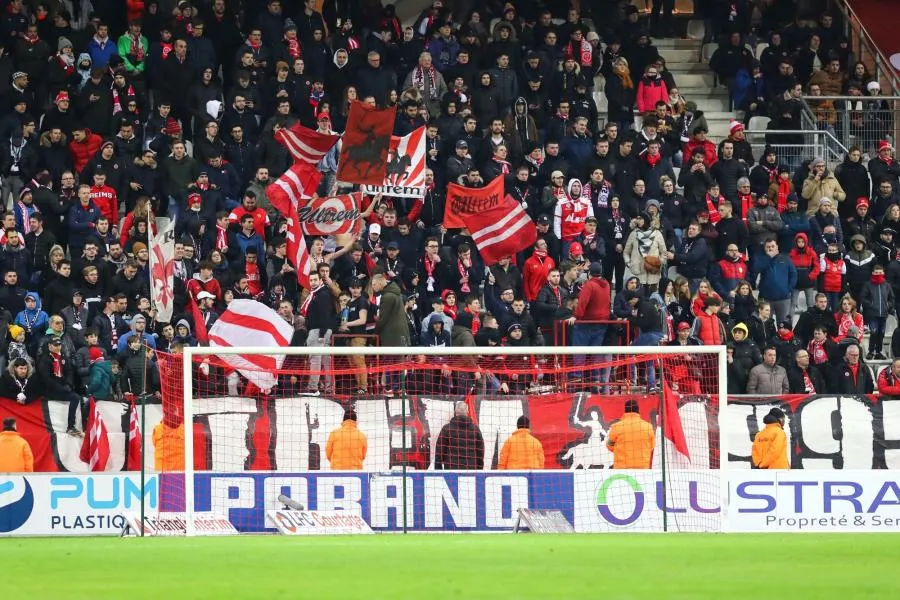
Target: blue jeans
(590, 334)
(650, 338)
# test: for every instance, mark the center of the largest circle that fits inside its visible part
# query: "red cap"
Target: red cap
(95, 353)
(862, 201)
(682, 326)
(576, 249)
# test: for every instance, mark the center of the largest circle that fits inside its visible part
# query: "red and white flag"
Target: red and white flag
(331, 215)
(162, 273)
(251, 323)
(297, 252)
(406, 167)
(306, 145)
(498, 224)
(134, 439)
(296, 184)
(95, 447)
(673, 442)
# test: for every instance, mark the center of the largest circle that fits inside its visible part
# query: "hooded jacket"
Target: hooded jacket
(35, 320)
(806, 261)
(11, 386)
(433, 338)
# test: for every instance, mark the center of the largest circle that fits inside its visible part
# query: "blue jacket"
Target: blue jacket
(794, 223)
(577, 151)
(80, 221)
(777, 277)
(252, 241)
(693, 258)
(100, 55)
(443, 52)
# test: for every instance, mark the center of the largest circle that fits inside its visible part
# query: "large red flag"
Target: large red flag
(305, 145)
(296, 184)
(95, 447)
(200, 331)
(366, 141)
(498, 224)
(672, 426)
(134, 439)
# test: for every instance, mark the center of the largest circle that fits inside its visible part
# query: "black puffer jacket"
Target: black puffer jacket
(459, 446)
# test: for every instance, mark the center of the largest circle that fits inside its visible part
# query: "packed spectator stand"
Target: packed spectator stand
(660, 221)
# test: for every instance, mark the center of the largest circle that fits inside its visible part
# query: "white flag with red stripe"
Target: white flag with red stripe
(134, 439)
(251, 323)
(405, 177)
(95, 447)
(306, 145)
(296, 184)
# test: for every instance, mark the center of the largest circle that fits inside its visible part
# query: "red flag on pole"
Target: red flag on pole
(134, 439)
(95, 447)
(297, 251)
(672, 426)
(498, 224)
(366, 142)
(305, 145)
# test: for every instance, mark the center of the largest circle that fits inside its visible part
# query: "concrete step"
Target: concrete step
(703, 92)
(678, 55)
(688, 66)
(667, 44)
(694, 80)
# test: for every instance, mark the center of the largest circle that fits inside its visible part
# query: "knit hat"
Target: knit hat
(138, 246)
(63, 95)
(194, 198)
(24, 192)
(884, 145)
(173, 127)
(873, 85)
(289, 25)
(816, 162)
(96, 353)
(862, 201)
(652, 202)
(63, 42)
(18, 74)
(734, 127)
(15, 330)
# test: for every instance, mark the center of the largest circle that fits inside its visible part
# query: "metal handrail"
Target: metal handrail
(831, 146)
(852, 98)
(883, 66)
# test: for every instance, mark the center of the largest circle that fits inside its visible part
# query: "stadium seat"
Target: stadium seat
(759, 49)
(707, 50)
(758, 123)
(696, 29)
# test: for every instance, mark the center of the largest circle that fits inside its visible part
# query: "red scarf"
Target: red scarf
(807, 383)
(876, 279)
(652, 159)
(418, 80)
(57, 364)
(714, 216)
(586, 51)
(137, 49)
(463, 272)
(817, 352)
(450, 311)
(166, 49)
(221, 238)
(784, 190)
(504, 165)
(117, 102)
(254, 46)
(304, 308)
(476, 321)
(429, 273)
(294, 48)
(26, 221)
(30, 39)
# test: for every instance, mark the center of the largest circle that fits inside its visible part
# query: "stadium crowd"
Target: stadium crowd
(116, 115)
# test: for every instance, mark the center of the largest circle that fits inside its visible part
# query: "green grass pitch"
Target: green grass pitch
(435, 567)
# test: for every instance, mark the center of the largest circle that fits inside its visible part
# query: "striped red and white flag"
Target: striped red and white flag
(95, 447)
(296, 184)
(306, 145)
(405, 176)
(297, 252)
(251, 323)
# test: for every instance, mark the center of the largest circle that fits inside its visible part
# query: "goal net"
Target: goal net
(442, 438)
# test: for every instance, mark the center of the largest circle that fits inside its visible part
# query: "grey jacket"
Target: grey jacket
(768, 380)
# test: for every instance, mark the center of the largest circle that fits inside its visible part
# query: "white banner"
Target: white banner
(317, 522)
(612, 501)
(69, 504)
(162, 272)
(812, 501)
(174, 524)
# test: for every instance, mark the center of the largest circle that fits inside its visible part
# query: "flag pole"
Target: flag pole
(150, 239)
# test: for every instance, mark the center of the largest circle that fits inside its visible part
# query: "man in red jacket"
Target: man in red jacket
(889, 380)
(536, 269)
(105, 198)
(83, 147)
(593, 306)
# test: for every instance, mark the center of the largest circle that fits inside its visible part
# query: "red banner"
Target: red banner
(333, 215)
(366, 142)
(463, 202)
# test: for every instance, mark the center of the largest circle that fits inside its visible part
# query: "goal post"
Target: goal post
(244, 444)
